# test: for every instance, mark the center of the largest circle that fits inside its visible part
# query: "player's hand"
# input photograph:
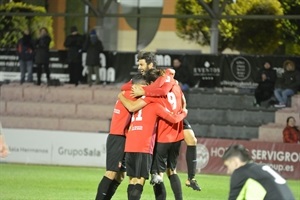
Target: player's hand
(185, 110)
(3, 148)
(137, 90)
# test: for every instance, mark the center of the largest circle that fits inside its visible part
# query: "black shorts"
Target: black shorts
(115, 155)
(186, 124)
(165, 156)
(138, 164)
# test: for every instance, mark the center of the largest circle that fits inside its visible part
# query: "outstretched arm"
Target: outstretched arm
(170, 117)
(131, 106)
(160, 87)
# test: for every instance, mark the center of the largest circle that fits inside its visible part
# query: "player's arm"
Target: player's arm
(126, 86)
(183, 101)
(167, 115)
(160, 87)
(132, 106)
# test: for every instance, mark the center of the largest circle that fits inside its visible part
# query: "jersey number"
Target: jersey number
(137, 116)
(277, 178)
(172, 100)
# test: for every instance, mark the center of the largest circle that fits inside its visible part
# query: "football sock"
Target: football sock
(160, 191)
(176, 186)
(129, 189)
(112, 189)
(136, 193)
(191, 161)
(103, 188)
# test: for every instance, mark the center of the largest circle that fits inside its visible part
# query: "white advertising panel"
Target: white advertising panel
(56, 147)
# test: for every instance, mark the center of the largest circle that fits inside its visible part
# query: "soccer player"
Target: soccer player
(115, 157)
(250, 180)
(161, 87)
(140, 141)
(169, 136)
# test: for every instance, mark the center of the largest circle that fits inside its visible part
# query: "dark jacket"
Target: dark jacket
(25, 48)
(74, 45)
(42, 49)
(290, 80)
(183, 75)
(93, 47)
(269, 83)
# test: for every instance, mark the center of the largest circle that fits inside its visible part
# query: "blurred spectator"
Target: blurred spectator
(93, 47)
(266, 83)
(74, 43)
(182, 74)
(42, 54)
(291, 133)
(26, 55)
(287, 85)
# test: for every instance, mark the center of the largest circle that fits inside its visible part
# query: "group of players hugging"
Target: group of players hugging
(146, 132)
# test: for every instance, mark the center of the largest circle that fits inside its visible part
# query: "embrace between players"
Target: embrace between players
(146, 131)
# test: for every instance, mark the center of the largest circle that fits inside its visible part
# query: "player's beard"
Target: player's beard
(143, 71)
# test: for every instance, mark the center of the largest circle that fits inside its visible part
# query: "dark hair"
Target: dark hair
(288, 119)
(152, 74)
(179, 58)
(73, 29)
(239, 151)
(149, 57)
(139, 79)
(288, 62)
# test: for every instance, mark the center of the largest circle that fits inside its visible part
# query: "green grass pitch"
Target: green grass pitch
(35, 182)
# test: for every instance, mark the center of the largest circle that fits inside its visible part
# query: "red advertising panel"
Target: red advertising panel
(284, 158)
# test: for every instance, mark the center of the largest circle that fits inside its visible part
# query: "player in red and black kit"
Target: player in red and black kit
(115, 145)
(140, 141)
(160, 87)
(169, 136)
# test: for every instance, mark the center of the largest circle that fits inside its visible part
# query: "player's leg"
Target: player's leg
(191, 155)
(160, 191)
(115, 154)
(138, 165)
(158, 168)
(171, 170)
(119, 177)
(137, 190)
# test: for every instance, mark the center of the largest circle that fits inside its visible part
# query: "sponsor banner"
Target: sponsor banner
(26, 146)
(240, 71)
(56, 147)
(207, 70)
(284, 158)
